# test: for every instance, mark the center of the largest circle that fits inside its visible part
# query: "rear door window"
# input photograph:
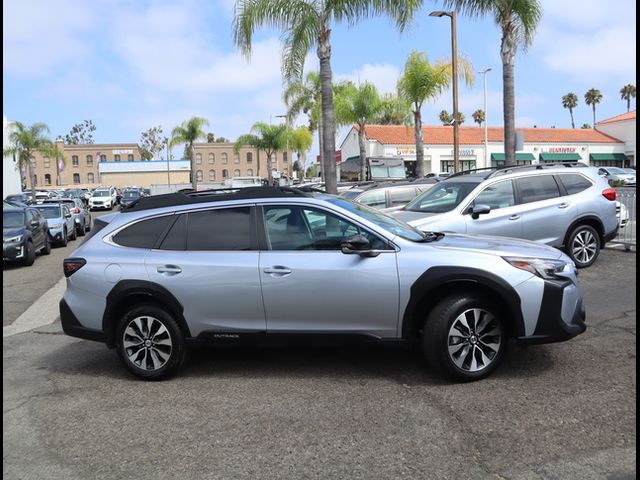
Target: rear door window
(537, 188)
(221, 229)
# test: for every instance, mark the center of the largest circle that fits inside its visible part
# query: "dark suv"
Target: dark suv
(24, 233)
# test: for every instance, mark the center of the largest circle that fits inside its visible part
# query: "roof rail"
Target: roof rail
(188, 197)
(473, 170)
(534, 166)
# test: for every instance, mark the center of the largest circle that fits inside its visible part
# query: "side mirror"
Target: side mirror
(477, 210)
(67, 215)
(35, 223)
(358, 245)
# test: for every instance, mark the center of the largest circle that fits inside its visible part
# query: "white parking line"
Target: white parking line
(43, 312)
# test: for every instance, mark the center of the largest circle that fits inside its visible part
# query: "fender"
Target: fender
(140, 288)
(436, 278)
(589, 219)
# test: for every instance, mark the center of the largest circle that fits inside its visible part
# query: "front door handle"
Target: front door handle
(563, 205)
(277, 270)
(169, 269)
(514, 217)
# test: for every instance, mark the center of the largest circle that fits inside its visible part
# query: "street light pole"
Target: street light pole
(454, 74)
(286, 122)
(486, 140)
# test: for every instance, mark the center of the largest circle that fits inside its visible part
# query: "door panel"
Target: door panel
(504, 219)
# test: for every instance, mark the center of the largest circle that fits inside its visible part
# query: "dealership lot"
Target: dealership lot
(554, 411)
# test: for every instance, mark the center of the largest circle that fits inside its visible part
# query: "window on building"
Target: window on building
(116, 158)
(90, 178)
(103, 158)
(75, 161)
(468, 164)
(225, 173)
(250, 172)
(236, 158)
(198, 158)
(76, 178)
(212, 175)
(199, 175)
(47, 179)
(212, 159)
(46, 162)
(236, 172)
(89, 160)
(249, 157)
(225, 159)
(447, 166)
(285, 157)
(130, 157)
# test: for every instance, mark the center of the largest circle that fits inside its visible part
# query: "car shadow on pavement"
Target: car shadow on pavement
(361, 361)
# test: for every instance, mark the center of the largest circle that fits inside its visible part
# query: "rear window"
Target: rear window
(143, 234)
(537, 188)
(574, 183)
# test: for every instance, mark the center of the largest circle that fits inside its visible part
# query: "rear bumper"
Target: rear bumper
(72, 327)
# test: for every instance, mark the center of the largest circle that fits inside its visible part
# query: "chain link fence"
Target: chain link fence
(626, 212)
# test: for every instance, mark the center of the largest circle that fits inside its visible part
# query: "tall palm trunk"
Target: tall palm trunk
(628, 103)
(508, 53)
(321, 144)
(328, 120)
(269, 168)
(594, 115)
(573, 125)
(363, 153)
(32, 183)
(417, 118)
(194, 180)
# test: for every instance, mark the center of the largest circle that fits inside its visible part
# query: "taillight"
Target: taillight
(72, 265)
(609, 194)
(75, 210)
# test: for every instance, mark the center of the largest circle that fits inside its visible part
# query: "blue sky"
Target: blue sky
(131, 65)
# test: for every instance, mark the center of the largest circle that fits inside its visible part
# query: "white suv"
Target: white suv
(103, 198)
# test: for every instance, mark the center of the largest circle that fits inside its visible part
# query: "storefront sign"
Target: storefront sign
(562, 149)
(406, 151)
(465, 152)
(120, 152)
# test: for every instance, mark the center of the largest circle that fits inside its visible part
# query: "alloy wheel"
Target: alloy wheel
(147, 343)
(474, 340)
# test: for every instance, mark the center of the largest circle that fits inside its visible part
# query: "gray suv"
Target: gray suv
(267, 263)
(567, 206)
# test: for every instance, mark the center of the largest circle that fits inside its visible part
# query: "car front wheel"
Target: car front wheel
(150, 343)
(464, 337)
(583, 246)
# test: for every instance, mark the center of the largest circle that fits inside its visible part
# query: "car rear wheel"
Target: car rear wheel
(29, 254)
(65, 239)
(46, 250)
(464, 337)
(583, 246)
(150, 343)
(81, 230)
(74, 234)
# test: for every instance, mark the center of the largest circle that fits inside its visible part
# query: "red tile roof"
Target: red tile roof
(439, 135)
(618, 118)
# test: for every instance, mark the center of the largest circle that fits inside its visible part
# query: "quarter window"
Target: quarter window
(537, 188)
(497, 195)
(143, 234)
(574, 182)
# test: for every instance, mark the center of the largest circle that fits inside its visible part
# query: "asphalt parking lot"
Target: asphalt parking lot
(561, 411)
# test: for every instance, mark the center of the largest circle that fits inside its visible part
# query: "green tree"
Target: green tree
(307, 23)
(627, 93)
(300, 141)
(188, 133)
(446, 118)
(211, 138)
(152, 142)
(266, 137)
(81, 133)
(421, 81)
(570, 101)
(593, 97)
(518, 20)
(461, 118)
(359, 105)
(24, 142)
(395, 111)
(478, 117)
(585, 126)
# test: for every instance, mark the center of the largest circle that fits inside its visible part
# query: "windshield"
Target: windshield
(442, 197)
(351, 193)
(101, 193)
(391, 224)
(50, 212)
(131, 195)
(12, 219)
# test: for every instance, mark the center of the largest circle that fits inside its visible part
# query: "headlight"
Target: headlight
(543, 267)
(16, 239)
(55, 225)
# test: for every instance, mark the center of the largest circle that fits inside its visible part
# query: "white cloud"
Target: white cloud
(383, 76)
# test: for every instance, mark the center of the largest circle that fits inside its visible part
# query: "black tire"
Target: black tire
(461, 353)
(46, 250)
(29, 254)
(65, 238)
(150, 324)
(74, 234)
(88, 229)
(583, 246)
(81, 231)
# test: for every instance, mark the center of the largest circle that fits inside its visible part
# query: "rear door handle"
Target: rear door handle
(169, 269)
(514, 217)
(563, 205)
(277, 270)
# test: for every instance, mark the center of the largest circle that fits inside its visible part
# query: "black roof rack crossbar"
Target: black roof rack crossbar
(473, 170)
(534, 166)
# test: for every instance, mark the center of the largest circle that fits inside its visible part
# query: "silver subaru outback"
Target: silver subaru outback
(267, 263)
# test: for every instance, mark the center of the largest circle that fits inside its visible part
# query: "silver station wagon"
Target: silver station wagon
(267, 263)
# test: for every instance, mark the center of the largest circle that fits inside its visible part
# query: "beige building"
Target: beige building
(121, 164)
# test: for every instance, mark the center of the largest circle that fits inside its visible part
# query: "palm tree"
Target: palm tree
(421, 81)
(394, 111)
(25, 142)
(307, 23)
(518, 21)
(478, 117)
(359, 105)
(301, 140)
(593, 97)
(446, 118)
(461, 118)
(269, 138)
(189, 132)
(627, 93)
(570, 101)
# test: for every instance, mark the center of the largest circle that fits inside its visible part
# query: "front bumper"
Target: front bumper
(562, 314)
(12, 251)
